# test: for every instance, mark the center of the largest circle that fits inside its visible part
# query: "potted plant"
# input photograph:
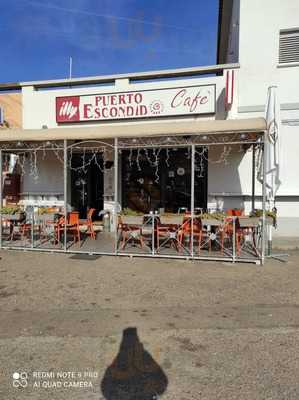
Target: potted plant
(13, 213)
(271, 216)
(129, 216)
(214, 218)
(45, 214)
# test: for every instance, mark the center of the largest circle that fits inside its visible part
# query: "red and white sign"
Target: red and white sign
(190, 100)
(229, 89)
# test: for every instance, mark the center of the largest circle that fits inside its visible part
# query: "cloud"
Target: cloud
(84, 30)
(79, 11)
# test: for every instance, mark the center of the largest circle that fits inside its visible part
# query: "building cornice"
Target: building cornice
(110, 79)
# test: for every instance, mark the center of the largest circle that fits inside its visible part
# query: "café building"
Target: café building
(135, 161)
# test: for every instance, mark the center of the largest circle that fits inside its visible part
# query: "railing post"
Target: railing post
(1, 196)
(234, 239)
(153, 234)
(32, 227)
(115, 195)
(264, 201)
(65, 191)
(192, 196)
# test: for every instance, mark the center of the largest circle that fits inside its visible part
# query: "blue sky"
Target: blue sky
(104, 36)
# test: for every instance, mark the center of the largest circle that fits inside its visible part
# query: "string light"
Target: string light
(98, 155)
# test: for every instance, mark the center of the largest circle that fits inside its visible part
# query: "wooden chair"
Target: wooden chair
(130, 233)
(170, 233)
(73, 225)
(187, 231)
(88, 224)
(59, 229)
(247, 233)
(200, 235)
(227, 234)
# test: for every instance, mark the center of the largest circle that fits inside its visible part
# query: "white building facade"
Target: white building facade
(263, 37)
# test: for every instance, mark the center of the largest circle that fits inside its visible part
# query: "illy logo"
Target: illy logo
(67, 109)
(20, 379)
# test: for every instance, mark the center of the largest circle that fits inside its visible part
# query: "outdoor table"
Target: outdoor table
(151, 221)
(250, 228)
(213, 227)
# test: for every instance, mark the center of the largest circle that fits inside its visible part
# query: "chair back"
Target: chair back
(238, 212)
(74, 218)
(187, 223)
(235, 212)
(90, 213)
(60, 221)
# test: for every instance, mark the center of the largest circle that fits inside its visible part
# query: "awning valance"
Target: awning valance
(136, 129)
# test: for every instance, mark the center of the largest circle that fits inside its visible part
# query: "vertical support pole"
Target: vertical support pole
(115, 209)
(153, 234)
(234, 239)
(32, 227)
(1, 195)
(65, 192)
(253, 179)
(264, 201)
(192, 196)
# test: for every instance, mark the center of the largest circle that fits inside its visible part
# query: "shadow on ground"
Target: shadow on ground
(133, 374)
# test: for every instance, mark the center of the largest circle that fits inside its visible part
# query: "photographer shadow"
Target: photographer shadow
(133, 374)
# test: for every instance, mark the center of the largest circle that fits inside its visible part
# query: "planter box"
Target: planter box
(172, 219)
(132, 219)
(14, 217)
(44, 218)
(211, 222)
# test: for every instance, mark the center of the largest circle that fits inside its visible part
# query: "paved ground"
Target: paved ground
(145, 329)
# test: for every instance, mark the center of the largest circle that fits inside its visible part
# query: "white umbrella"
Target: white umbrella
(272, 147)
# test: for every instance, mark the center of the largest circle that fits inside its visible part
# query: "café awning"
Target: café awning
(136, 129)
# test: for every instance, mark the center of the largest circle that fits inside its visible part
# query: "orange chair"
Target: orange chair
(73, 225)
(129, 233)
(199, 234)
(235, 212)
(88, 222)
(58, 229)
(228, 233)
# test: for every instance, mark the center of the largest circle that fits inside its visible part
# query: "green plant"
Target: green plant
(128, 211)
(259, 213)
(214, 215)
(10, 210)
(43, 210)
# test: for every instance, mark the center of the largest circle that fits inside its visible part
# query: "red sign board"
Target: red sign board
(189, 100)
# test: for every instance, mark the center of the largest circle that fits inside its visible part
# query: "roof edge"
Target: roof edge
(137, 129)
(147, 75)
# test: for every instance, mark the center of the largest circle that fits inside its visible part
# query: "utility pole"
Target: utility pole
(71, 67)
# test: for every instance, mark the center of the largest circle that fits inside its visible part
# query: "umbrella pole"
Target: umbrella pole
(264, 201)
(253, 180)
(269, 240)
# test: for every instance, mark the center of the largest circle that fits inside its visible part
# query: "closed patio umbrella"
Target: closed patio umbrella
(272, 148)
